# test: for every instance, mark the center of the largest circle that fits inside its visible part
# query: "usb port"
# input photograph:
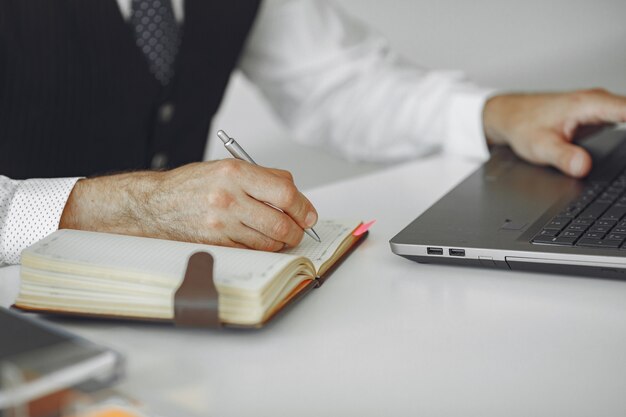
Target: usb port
(457, 252)
(434, 251)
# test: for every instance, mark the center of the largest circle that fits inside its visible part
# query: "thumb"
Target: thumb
(553, 149)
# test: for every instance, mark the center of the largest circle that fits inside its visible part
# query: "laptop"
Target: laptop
(512, 215)
(42, 367)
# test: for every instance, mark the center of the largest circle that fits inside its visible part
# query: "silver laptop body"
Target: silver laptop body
(497, 217)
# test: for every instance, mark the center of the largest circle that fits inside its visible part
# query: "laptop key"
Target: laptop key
(614, 213)
(616, 236)
(599, 229)
(608, 197)
(598, 243)
(576, 228)
(558, 223)
(567, 241)
(548, 232)
(570, 214)
(585, 222)
(569, 233)
(619, 230)
(594, 210)
(605, 222)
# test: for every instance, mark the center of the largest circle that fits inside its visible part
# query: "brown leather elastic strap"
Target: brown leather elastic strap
(196, 300)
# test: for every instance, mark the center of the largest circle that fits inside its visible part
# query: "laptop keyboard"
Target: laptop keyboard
(595, 219)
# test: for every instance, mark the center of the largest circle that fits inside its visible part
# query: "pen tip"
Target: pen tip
(314, 235)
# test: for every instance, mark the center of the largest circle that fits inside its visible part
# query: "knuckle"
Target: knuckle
(578, 96)
(296, 239)
(221, 199)
(288, 194)
(268, 245)
(598, 91)
(583, 95)
(286, 174)
(214, 223)
(281, 229)
(229, 166)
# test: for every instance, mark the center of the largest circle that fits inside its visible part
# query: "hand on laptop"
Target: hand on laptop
(540, 127)
(218, 202)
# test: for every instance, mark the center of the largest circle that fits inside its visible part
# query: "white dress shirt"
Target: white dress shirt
(331, 80)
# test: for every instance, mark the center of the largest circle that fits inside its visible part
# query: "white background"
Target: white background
(531, 45)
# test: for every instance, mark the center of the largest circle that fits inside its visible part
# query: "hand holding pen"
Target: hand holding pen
(239, 153)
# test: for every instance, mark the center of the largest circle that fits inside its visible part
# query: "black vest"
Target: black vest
(77, 97)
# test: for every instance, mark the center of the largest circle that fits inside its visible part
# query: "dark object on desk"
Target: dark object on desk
(512, 215)
(41, 366)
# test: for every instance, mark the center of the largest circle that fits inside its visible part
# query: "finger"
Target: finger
(232, 244)
(594, 107)
(218, 241)
(282, 193)
(555, 150)
(282, 173)
(299, 208)
(253, 239)
(272, 223)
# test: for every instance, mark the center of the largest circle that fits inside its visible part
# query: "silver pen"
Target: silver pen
(237, 151)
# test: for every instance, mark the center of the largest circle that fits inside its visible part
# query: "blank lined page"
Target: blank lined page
(154, 261)
(332, 233)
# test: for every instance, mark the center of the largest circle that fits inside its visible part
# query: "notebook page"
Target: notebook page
(157, 262)
(332, 233)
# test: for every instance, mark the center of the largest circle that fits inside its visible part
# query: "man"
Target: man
(93, 87)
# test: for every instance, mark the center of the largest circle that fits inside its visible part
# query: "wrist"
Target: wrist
(114, 204)
(494, 119)
(69, 218)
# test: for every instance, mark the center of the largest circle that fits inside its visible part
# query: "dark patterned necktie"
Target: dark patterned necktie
(157, 35)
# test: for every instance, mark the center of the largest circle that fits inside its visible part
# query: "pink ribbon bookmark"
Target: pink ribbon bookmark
(363, 228)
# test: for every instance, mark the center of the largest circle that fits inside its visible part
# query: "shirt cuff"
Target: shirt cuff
(466, 134)
(34, 212)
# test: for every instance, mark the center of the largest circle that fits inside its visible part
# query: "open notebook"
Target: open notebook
(77, 272)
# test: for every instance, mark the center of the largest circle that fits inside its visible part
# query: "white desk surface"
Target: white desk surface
(387, 336)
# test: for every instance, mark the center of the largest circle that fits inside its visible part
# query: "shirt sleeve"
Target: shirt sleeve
(29, 210)
(336, 83)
